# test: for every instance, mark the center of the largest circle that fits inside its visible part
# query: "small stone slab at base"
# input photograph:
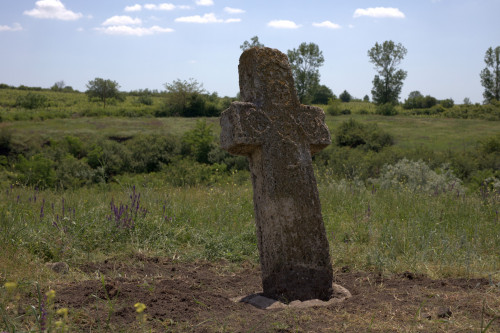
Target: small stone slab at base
(265, 303)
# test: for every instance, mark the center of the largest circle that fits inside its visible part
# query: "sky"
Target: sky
(147, 43)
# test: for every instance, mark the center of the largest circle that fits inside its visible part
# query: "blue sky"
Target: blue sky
(145, 44)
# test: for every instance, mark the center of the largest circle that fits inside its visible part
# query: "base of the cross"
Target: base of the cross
(260, 301)
(298, 283)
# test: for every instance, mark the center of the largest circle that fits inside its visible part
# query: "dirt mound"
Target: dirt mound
(196, 297)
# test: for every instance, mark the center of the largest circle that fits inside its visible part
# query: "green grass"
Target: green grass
(384, 230)
(439, 134)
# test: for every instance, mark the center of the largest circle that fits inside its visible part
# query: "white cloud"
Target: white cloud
(14, 27)
(207, 18)
(204, 2)
(134, 8)
(161, 6)
(122, 20)
(133, 31)
(327, 24)
(283, 24)
(379, 12)
(52, 9)
(233, 10)
(184, 7)
(351, 26)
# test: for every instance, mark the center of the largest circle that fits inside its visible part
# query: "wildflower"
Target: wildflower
(139, 307)
(59, 323)
(10, 286)
(50, 295)
(63, 312)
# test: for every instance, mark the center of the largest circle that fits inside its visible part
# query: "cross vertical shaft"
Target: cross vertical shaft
(279, 136)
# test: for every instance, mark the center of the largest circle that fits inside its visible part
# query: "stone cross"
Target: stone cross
(279, 136)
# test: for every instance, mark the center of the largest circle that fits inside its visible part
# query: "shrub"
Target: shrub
(386, 109)
(36, 171)
(333, 107)
(150, 152)
(418, 177)
(197, 143)
(32, 101)
(352, 134)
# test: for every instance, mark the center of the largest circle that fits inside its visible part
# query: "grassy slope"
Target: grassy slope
(439, 134)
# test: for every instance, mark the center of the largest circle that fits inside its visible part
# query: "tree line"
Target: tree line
(386, 57)
(188, 98)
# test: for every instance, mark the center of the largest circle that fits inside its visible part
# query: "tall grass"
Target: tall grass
(386, 230)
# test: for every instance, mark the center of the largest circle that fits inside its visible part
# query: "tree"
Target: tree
(366, 98)
(255, 43)
(184, 98)
(305, 62)
(58, 86)
(490, 76)
(322, 94)
(103, 90)
(345, 97)
(389, 81)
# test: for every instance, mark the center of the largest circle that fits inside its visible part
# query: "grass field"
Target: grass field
(189, 249)
(439, 134)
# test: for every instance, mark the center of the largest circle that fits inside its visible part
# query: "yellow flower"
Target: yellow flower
(10, 286)
(139, 307)
(50, 295)
(59, 323)
(62, 311)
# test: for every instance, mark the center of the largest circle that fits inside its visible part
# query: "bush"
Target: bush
(417, 177)
(333, 107)
(353, 134)
(386, 109)
(150, 152)
(198, 142)
(32, 101)
(36, 171)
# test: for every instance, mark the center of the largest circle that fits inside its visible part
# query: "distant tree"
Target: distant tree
(345, 97)
(490, 76)
(322, 94)
(58, 86)
(103, 90)
(366, 98)
(416, 100)
(389, 81)
(305, 62)
(254, 43)
(447, 103)
(184, 98)
(467, 101)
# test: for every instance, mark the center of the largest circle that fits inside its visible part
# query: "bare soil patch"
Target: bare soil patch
(196, 297)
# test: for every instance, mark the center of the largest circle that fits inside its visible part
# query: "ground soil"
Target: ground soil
(195, 297)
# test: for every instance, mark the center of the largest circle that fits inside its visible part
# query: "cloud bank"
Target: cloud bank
(327, 24)
(128, 26)
(207, 18)
(230, 10)
(52, 9)
(14, 27)
(283, 24)
(379, 12)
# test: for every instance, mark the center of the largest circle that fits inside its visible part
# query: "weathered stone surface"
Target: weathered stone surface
(279, 136)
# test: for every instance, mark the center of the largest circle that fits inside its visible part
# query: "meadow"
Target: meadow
(425, 206)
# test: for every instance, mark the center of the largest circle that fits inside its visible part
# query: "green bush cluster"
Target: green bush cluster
(354, 134)
(73, 161)
(32, 101)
